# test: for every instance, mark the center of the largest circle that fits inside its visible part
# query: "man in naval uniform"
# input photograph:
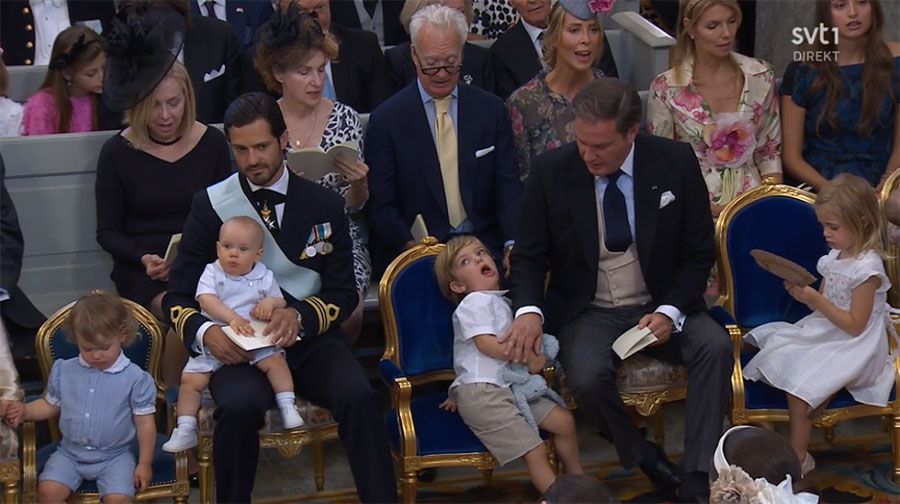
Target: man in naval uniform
(308, 247)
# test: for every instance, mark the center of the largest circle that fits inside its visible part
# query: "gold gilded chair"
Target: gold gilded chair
(319, 426)
(781, 220)
(9, 464)
(170, 476)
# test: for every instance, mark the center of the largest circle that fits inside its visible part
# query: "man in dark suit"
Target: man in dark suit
(315, 272)
(18, 25)
(21, 318)
(441, 149)
(516, 55)
(360, 78)
(347, 13)
(644, 260)
(244, 16)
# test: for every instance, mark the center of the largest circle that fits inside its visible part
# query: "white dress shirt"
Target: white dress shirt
(219, 8)
(50, 18)
(534, 32)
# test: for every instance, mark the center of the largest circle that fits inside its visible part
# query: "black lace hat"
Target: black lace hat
(142, 48)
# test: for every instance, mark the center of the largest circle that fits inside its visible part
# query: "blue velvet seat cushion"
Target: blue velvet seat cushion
(163, 464)
(437, 431)
(758, 395)
(138, 352)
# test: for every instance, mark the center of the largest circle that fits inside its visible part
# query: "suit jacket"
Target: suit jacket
(558, 231)
(476, 68)
(307, 204)
(405, 174)
(343, 12)
(17, 25)
(244, 16)
(213, 60)
(516, 62)
(360, 77)
(18, 308)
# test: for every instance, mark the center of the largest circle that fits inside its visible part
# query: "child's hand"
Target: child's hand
(241, 326)
(805, 294)
(263, 310)
(448, 405)
(536, 362)
(142, 475)
(15, 413)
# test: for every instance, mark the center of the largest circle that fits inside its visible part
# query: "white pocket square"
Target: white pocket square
(213, 74)
(666, 198)
(484, 152)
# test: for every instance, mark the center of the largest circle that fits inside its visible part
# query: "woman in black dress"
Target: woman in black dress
(148, 173)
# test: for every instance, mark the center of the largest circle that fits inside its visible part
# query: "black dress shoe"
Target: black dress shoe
(660, 470)
(694, 488)
(194, 480)
(427, 475)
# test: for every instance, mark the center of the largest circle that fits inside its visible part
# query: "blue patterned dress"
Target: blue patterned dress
(844, 150)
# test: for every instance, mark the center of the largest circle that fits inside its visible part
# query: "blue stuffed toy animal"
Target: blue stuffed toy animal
(528, 387)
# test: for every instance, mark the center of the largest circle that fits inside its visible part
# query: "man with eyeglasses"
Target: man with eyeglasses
(440, 149)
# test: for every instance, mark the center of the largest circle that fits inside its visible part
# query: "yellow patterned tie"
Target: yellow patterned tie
(449, 159)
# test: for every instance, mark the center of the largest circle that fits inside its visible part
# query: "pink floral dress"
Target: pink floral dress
(735, 149)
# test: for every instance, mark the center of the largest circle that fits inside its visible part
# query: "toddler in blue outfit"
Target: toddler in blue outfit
(103, 400)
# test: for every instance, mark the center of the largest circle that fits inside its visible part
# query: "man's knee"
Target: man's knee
(713, 344)
(601, 377)
(358, 396)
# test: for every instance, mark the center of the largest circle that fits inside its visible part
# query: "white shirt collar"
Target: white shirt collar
(257, 273)
(533, 31)
(56, 3)
(627, 165)
(281, 186)
(121, 363)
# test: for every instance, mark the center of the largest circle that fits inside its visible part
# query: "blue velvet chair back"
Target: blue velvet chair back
(778, 219)
(422, 318)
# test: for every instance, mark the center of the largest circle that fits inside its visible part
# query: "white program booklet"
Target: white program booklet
(633, 341)
(251, 342)
(418, 230)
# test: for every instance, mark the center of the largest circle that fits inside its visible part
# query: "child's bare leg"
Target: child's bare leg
(801, 425)
(192, 387)
(277, 371)
(52, 492)
(116, 499)
(561, 424)
(539, 469)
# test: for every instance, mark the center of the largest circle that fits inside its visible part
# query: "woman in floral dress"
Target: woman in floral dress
(541, 110)
(723, 103)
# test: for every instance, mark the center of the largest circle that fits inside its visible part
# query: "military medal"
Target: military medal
(327, 248)
(310, 251)
(320, 247)
(267, 216)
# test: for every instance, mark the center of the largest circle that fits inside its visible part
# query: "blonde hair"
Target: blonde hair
(553, 34)
(852, 200)
(99, 318)
(411, 6)
(443, 264)
(138, 116)
(247, 223)
(692, 10)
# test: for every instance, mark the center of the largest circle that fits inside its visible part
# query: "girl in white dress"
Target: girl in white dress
(843, 343)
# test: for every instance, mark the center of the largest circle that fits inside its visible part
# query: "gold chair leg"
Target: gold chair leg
(488, 476)
(659, 429)
(11, 491)
(318, 455)
(408, 487)
(895, 449)
(206, 474)
(181, 499)
(828, 432)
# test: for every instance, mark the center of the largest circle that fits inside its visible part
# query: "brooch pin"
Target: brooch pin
(266, 214)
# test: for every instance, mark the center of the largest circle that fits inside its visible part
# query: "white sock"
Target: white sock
(187, 422)
(285, 399)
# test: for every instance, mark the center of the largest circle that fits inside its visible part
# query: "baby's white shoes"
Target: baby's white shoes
(290, 417)
(808, 465)
(183, 437)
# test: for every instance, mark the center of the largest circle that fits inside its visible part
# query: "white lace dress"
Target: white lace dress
(814, 359)
(10, 118)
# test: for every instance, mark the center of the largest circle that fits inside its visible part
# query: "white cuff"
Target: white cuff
(530, 309)
(674, 314)
(198, 339)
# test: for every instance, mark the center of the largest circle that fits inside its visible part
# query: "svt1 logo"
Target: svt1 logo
(821, 36)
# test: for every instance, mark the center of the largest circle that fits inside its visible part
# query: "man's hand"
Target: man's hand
(659, 324)
(284, 326)
(222, 348)
(524, 335)
(142, 476)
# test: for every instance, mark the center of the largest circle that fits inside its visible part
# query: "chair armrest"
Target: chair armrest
(721, 316)
(390, 371)
(29, 462)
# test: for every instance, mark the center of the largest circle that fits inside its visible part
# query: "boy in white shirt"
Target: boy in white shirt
(467, 274)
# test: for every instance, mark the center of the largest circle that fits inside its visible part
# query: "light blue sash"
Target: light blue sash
(229, 200)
